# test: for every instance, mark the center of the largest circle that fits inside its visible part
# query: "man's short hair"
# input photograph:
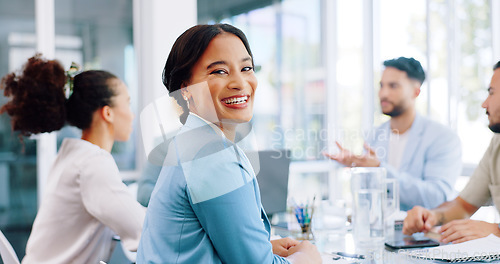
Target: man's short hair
(411, 66)
(496, 65)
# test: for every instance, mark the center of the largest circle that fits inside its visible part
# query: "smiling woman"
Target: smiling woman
(206, 206)
(226, 68)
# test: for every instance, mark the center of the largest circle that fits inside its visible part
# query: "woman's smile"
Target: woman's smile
(226, 69)
(236, 102)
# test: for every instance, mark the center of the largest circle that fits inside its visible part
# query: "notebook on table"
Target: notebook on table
(482, 249)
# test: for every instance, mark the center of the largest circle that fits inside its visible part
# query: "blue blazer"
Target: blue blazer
(205, 207)
(430, 164)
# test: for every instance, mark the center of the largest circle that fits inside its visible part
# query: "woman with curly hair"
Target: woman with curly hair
(85, 202)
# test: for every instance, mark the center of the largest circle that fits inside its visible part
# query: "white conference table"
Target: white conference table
(343, 241)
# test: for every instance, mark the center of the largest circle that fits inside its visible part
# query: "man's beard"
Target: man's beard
(495, 127)
(397, 110)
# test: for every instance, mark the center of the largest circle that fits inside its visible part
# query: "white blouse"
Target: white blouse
(85, 204)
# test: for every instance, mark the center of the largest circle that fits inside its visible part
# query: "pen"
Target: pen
(298, 214)
(301, 211)
(306, 216)
(347, 255)
(312, 210)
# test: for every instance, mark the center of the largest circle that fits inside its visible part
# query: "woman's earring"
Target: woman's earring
(187, 101)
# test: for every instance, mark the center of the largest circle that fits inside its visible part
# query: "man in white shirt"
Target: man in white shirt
(483, 187)
(422, 154)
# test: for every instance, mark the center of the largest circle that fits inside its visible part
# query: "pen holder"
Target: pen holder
(306, 232)
(304, 216)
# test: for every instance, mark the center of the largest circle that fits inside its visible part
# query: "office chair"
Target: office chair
(7, 253)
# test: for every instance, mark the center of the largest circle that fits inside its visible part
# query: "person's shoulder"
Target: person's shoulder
(382, 128)
(215, 175)
(171, 177)
(82, 148)
(438, 136)
(197, 142)
(83, 153)
(495, 140)
(428, 122)
(437, 128)
(384, 125)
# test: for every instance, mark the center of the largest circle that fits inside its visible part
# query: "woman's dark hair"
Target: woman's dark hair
(186, 51)
(38, 103)
(91, 91)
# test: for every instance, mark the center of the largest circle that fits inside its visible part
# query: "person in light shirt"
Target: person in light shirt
(483, 187)
(85, 202)
(206, 207)
(423, 155)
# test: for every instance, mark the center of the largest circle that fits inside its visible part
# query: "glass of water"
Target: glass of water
(369, 188)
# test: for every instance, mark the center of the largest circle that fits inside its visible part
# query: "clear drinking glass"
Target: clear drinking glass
(369, 190)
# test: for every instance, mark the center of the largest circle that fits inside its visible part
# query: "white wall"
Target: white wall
(46, 147)
(157, 24)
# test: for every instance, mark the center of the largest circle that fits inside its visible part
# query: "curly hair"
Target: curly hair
(37, 100)
(37, 94)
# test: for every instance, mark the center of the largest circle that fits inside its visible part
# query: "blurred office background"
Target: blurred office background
(319, 67)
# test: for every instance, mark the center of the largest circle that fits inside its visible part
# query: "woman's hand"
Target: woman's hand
(281, 246)
(304, 252)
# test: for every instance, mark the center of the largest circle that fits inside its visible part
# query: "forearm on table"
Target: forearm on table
(453, 210)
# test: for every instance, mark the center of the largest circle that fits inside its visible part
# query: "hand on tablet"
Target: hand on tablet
(419, 219)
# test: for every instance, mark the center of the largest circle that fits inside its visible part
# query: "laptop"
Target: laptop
(273, 179)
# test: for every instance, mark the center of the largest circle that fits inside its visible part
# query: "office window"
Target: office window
(302, 82)
(98, 35)
(453, 41)
(290, 104)
(350, 74)
(474, 72)
(304, 186)
(18, 186)
(438, 70)
(402, 27)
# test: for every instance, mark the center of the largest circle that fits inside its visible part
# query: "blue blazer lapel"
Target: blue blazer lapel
(414, 139)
